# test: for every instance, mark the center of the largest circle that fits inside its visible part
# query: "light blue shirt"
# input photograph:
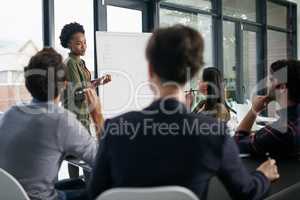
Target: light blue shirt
(35, 138)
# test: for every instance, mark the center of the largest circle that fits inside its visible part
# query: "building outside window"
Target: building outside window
(20, 38)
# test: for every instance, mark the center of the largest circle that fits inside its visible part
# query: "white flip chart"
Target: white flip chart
(122, 55)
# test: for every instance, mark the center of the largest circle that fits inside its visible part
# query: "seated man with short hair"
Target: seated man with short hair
(165, 144)
(280, 139)
(36, 137)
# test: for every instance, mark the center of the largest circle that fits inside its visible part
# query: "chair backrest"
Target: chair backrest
(10, 188)
(292, 192)
(154, 193)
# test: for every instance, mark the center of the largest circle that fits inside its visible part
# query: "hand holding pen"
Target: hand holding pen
(101, 81)
(269, 168)
(95, 83)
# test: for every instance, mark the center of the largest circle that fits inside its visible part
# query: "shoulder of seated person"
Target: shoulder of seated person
(221, 106)
(202, 117)
(132, 115)
(63, 112)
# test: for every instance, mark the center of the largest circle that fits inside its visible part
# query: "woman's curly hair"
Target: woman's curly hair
(68, 31)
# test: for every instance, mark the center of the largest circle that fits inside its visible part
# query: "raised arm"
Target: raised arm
(259, 103)
(238, 181)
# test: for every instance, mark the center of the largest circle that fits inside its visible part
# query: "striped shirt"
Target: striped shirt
(279, 139)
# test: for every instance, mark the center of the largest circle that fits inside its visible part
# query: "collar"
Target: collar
(35, 101)
(168, 106)
(77, 59)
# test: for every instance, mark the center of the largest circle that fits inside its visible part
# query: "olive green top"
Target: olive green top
(78, 77)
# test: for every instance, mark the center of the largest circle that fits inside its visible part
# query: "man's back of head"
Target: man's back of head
(45, 75)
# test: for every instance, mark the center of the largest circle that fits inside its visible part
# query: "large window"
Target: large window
(21, 33)
(80, 11)
(20, 38)
(244, 9)
(234, 40)
(277, 15)
(280, 39)
(229, 46)
(199, 4)
(201, 22)
(250, 61)
(277, 46)
(277, 50)
(118, 18)
(279, 32)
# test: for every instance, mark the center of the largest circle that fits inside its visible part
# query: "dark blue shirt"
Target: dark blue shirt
(166, 145)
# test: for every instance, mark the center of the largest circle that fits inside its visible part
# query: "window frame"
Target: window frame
(260, 25)
(151, 21)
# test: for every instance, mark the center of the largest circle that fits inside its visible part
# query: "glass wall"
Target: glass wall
(20, 38)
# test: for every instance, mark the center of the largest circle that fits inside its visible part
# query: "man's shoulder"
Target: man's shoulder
(51, 114)
(205, 119)
(129, 116)
(188, 123)
(65, 114)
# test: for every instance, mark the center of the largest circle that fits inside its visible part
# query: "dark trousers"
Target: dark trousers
(71, 189)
